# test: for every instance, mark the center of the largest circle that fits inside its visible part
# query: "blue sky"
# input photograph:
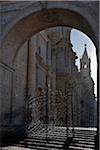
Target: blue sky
(78, 39)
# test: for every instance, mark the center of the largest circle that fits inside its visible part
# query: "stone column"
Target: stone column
(32, 74)
(32, 67)
(54, 82)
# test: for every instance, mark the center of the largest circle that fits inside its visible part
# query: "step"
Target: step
(51, 139)
(81, 137)
(79, 148)
(86, 142)
(34, 147)
(83, 145)
(85, 139)
(49, 136)
(36, 144)
(44, 141)
(87, 135)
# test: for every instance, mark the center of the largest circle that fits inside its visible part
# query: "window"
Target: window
(39, 50)
(85, 66)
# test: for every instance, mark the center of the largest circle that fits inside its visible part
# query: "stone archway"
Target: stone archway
(27, 23)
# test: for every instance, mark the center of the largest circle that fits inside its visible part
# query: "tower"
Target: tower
(88, 83)
(85, 63)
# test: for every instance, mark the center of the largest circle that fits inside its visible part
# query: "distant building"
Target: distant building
(55, 69)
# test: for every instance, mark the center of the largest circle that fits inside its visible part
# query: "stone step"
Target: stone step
(84, 139)
(86, 142)
(79, 148)
(88, 138)
(40, 144)
(34, 147)
(63, 132)
(83, 145)
(50, 138)
(86, 135)
(59, 142)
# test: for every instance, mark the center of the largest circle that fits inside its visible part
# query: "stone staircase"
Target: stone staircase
(55, 139)
(84, 139)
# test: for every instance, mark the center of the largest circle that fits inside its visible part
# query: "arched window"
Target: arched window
(85, 66)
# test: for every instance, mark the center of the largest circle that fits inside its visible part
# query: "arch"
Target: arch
(83, 16)
(40, 20)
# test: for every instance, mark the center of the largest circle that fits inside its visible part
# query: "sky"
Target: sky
(78, 40)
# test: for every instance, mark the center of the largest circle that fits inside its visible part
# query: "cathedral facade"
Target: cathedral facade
(55, 69)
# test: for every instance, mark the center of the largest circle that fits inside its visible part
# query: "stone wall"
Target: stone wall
(19, 85)
(6, 93)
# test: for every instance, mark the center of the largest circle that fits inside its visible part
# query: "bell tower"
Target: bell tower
(85, 63)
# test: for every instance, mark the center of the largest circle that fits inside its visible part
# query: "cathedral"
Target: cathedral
(49, 64)
(54, 68)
